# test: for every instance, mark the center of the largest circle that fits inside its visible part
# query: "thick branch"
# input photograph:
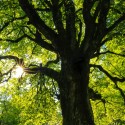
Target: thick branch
(87, 6)
(44, 70)
(70, 23)
(101, 14)
(105, 5)
(37, 21)
(42, 42)
(90, 28)
(57, 16)
(50, 73)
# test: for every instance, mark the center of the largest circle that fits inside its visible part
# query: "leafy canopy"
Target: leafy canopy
(33, 99)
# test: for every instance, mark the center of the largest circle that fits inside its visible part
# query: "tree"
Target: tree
(81, 35)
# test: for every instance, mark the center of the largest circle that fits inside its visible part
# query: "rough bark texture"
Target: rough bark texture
(75, 103)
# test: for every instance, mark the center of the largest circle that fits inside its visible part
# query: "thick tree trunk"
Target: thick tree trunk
(75, 103)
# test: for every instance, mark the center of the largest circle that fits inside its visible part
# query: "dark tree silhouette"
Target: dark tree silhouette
(76, 35)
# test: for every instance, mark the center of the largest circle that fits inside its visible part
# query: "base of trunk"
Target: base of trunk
(77, 111)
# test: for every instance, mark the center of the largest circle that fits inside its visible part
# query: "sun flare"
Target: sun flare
(18, 71)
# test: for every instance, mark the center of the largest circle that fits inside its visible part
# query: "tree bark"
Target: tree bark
(75, 103)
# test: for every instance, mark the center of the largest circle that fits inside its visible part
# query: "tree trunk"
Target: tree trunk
(75, 103)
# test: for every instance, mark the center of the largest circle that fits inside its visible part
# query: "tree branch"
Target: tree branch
(37, 40)
(57, 16)
(9, 57)
(121, 92)
(90, 27)
(42, 42)
(109, 52)
(7, 23)
(16, 59)
(110, 38)
(44, 10)
(101, 13)
(116, 10)
(80, 32)
(37, 21)
(105, 5)
(44, 70)
(7, 73)
(87, 6)
(52, 61)
(94, 95)
(51, 73)
(70, 23)
(14, 41)
(113, 79)
(116, 23)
